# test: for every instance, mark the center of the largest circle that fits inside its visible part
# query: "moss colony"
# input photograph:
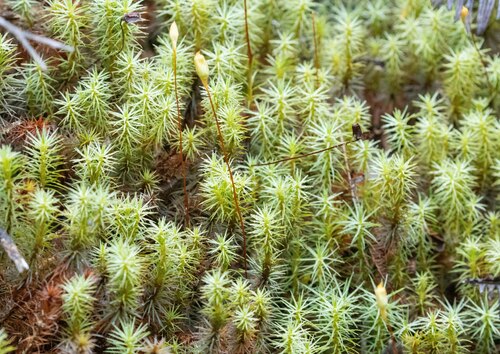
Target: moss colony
(322, 177)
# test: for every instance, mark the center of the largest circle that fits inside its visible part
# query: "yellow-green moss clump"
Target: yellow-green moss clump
(249, 198)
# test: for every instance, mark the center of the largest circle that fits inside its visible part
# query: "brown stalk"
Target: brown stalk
(464, 14)
(485, 67)
(179, 127)
(316, 57)
(348, 168)
(249, 52)
(235, 194)
(393, 338)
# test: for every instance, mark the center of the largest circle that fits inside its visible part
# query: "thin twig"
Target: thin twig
(23, 37)
(49, 42)
(357, 134)
(305, 155)
(11, 249)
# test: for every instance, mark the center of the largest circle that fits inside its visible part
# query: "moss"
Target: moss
(249, 197)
